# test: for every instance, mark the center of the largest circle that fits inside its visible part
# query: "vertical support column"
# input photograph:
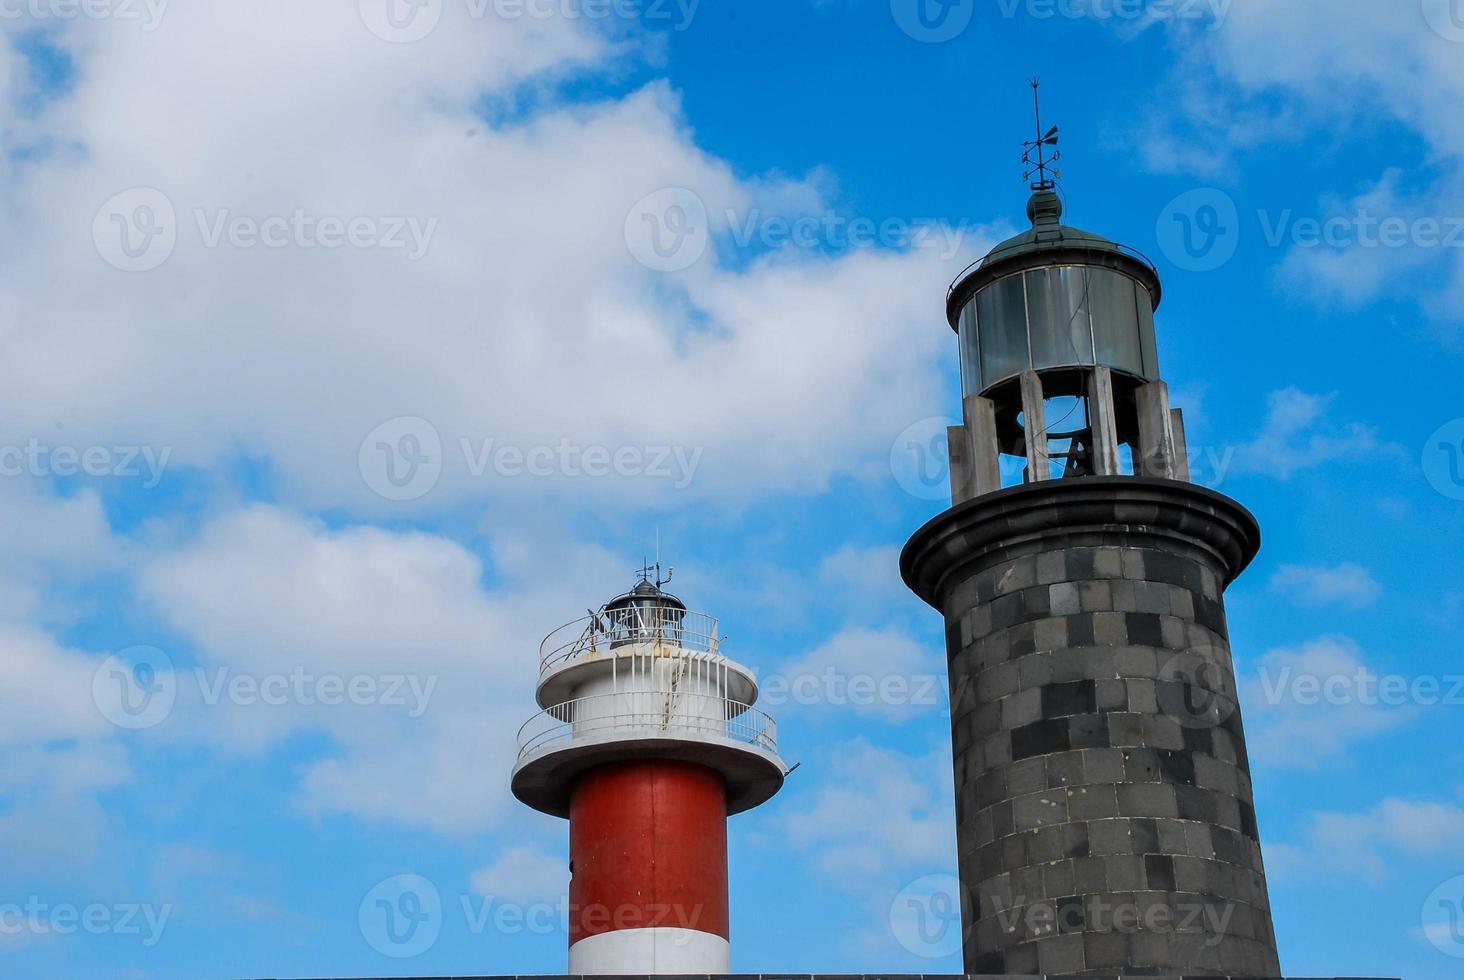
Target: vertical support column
(958, 446)
(985, 451)
(975, 453)
(1035, 428)
(1181, 444)
(1156, 435)
(1103, 422)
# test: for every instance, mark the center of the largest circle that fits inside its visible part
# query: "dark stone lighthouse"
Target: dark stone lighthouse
(1103, 795)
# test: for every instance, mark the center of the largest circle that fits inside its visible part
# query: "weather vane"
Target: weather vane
(1034, 155)
(647, 569)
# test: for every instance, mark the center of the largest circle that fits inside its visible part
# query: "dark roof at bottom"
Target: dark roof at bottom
(857, 976)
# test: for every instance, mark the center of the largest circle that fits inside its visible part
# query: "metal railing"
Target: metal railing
(648, 714)
(604, 631)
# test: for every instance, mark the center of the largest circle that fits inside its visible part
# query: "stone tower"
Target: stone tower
(1103, 795)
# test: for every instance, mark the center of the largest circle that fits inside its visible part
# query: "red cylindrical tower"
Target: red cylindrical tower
(647, 742)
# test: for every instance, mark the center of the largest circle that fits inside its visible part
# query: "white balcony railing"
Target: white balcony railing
(648, 714)
(600, 633)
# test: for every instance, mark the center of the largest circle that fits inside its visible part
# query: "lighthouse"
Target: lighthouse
(648, 740)
(1103, 791)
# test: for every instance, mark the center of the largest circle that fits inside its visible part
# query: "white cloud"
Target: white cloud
(53, 819)
(864, 575)
(45, 690)
(264, 594)
(527, 322)
(1371, 844)
(1347, 583)
(60, 752)
(1307, 704)
(1283, 73)
(1300, 433)
(1362, 268)
(877, 814)
(883, 673)
(522, 874)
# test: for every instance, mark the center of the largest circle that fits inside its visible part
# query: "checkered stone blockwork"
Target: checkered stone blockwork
(1103, 795)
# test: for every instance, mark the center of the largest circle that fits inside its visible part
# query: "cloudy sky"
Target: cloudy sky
(356, 345)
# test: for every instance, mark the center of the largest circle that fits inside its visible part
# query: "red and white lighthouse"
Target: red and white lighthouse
(648, 741)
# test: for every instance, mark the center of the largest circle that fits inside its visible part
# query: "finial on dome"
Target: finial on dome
(1044, 208)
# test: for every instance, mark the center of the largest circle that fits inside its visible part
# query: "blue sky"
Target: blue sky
(259, 259)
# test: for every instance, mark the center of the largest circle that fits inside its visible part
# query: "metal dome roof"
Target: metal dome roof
(1048, 242)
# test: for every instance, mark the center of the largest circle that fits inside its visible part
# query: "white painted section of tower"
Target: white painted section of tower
(657, 686)
(658, 950)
